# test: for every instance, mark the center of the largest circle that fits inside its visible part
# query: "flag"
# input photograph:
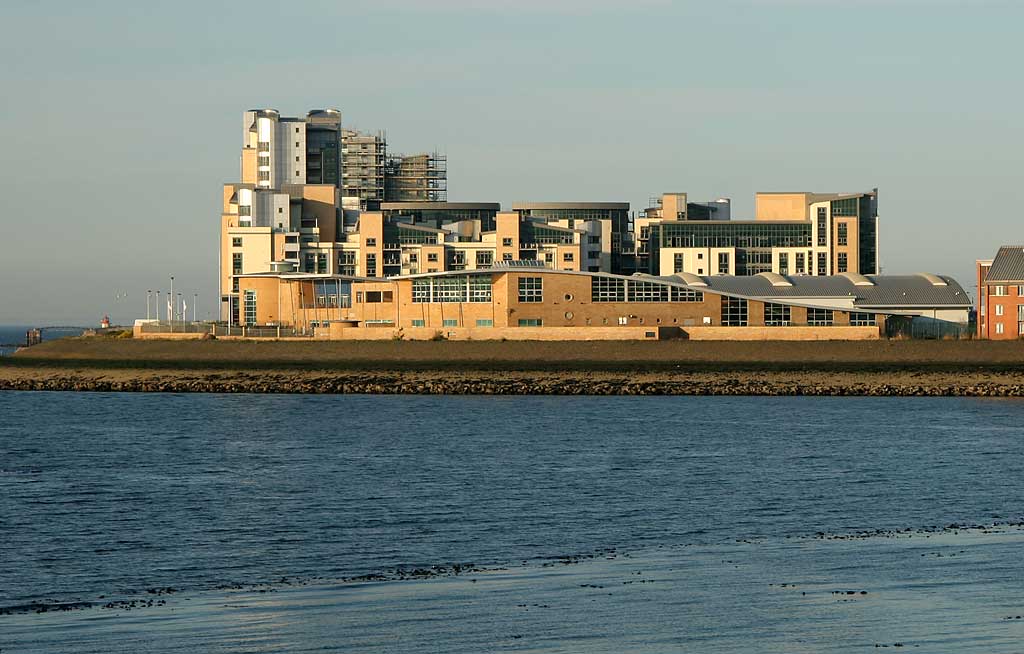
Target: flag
(169, 316)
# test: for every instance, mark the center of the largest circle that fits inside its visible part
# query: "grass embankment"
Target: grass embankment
(602, 367)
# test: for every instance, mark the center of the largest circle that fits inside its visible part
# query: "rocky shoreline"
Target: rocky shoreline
(520, 384)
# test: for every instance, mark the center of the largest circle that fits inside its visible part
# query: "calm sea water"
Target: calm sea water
(111, 494)
(14, 335)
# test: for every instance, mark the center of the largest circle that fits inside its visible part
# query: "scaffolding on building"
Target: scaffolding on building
(363, 156)
(416, 178)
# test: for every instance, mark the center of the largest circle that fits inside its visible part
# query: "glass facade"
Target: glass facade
(457, 288)
(776, 315)
(753, 241)
(734, 311)
(610, 289)
(443, 216)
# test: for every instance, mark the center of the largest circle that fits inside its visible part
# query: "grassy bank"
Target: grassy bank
(517, 355)
(916, 368)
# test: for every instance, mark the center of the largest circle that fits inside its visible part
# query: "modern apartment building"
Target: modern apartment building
(791, 234)
(318, 198)
(1000, 298)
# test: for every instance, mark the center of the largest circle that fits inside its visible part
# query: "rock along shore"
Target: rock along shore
(517, 384)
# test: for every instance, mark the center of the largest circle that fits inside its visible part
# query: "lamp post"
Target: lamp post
(170, 304)
(195, 302)
(148, 293)
(158, 306)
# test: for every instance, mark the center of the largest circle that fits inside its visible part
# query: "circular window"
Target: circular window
(568, 315)
(568, 297)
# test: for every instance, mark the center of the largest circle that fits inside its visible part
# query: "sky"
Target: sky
(120, 121)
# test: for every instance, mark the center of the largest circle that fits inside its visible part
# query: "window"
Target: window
(484, 323)
(999, 328)
(858, 319)
(999, 309)
(479, 288)
(377, 297)
(734, 311)
(999, 291)
(371, 265)
(677, 262)
(531, 289)
(463, 288)
(264, 175)
(484, 259)
(347, 263)
(567, 256)
(646, 292)
(530, 322)
(822, 263)
(421, 290)
(594, 254)
(841, 238)
(506, 242)
(723, 263)
(414, 257)
(506, 256)
(419, 323)
(593, 240)
(846, 207)
(822, 227)
(801, 267)
(607, 289)
(244, 210)
(450, 322)
(819, 317)
(234, 285)
(686, 295)
(841, 266)
(450, 289)
(776, 315)
(296, 144)
(236, 263)
(296, 173)
(296, 130)
(236, 241)
(432, 256)
(783, 263)
(250, 307)
(371, 242)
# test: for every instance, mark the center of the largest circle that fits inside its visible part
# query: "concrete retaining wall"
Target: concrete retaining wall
(831, 333)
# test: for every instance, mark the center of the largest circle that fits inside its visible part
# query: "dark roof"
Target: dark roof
(1008, 266)
(883, 291)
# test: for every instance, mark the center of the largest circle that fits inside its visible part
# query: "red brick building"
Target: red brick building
(1000, 301)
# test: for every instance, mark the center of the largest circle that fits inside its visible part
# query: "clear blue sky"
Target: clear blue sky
(120, 120)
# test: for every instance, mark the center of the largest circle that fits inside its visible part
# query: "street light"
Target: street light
(148, 293)
(170, 302)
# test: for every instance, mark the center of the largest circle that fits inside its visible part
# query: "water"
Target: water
(12, 336)
(112, 494)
